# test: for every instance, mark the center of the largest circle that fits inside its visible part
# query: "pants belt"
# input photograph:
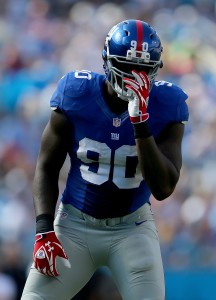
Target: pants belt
(140, 214)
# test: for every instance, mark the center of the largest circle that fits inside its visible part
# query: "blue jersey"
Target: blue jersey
(105, 179)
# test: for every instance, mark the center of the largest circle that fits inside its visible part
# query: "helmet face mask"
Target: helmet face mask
(131, 45)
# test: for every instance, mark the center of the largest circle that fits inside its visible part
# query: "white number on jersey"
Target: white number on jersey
(83, 74)
(163, 82)
(119, 167)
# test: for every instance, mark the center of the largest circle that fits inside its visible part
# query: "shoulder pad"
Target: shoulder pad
(168, 92)
(169, 101)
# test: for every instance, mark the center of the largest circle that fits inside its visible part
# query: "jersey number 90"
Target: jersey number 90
(100, 164)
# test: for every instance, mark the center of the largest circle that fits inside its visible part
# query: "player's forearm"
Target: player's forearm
(158, 171)
(45, 192)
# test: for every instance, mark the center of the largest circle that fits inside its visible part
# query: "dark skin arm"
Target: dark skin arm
(161, 160)
(52, 154)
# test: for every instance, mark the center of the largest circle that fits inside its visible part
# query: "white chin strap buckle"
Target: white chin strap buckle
(120, 92)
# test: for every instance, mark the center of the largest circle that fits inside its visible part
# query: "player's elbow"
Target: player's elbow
(163, 193)
(164, 186)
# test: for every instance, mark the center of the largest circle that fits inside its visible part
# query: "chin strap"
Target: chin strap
(120, 93)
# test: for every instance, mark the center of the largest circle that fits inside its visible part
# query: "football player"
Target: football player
(123, 132)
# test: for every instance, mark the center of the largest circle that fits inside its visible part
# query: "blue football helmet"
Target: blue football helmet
(131, 45)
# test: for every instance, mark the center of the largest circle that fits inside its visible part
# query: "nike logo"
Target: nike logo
(139, 222)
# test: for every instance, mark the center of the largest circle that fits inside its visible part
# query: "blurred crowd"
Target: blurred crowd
(40, 40)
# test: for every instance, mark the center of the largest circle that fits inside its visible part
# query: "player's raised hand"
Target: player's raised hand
(137, 106)
(46, 248)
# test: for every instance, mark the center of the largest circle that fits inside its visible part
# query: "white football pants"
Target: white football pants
(128, 246)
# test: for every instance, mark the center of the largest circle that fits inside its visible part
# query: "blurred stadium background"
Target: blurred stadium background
(40, 40)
